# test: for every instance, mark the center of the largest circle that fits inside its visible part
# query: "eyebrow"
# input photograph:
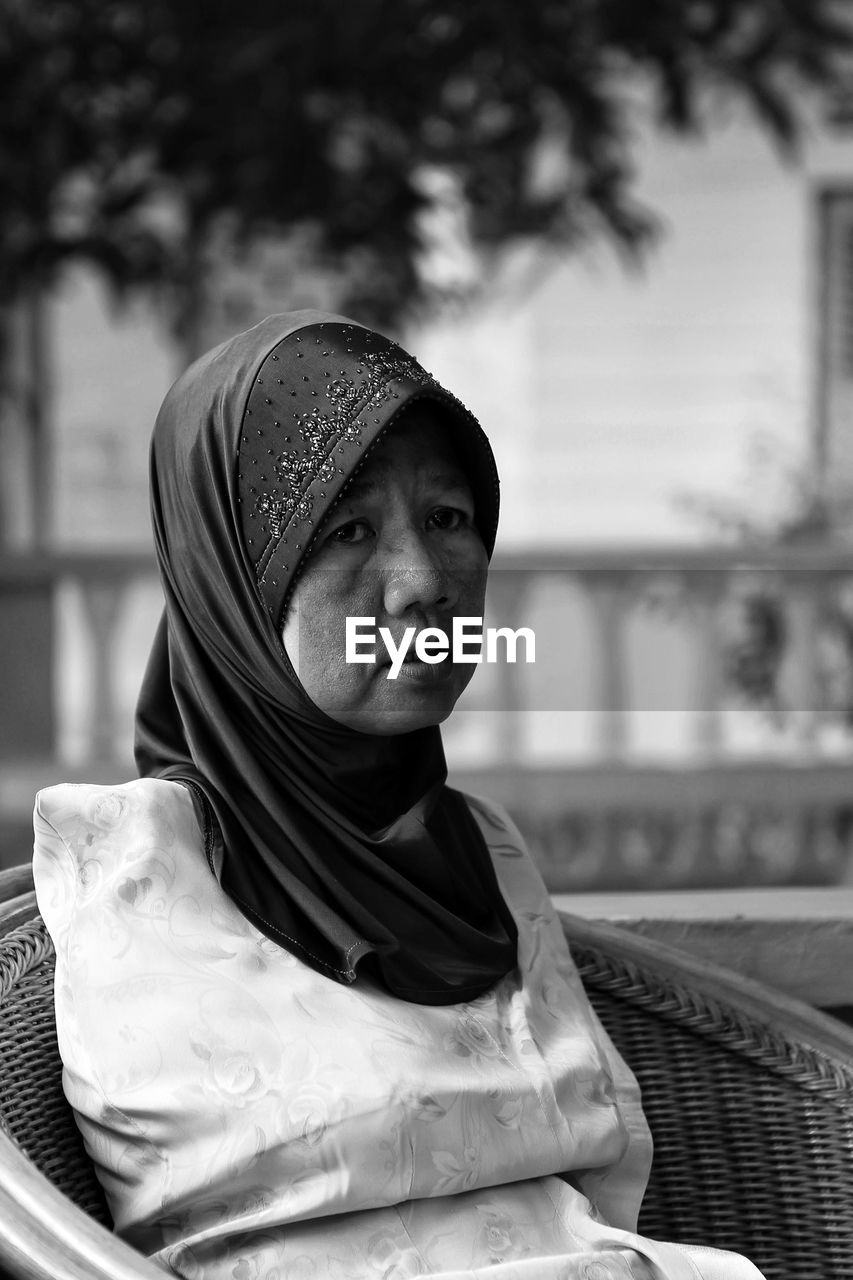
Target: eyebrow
(436, 479)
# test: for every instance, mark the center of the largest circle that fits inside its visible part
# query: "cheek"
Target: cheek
(317, 612)
(468, 567)
(337, 688)
(332, 684)
(314, 637)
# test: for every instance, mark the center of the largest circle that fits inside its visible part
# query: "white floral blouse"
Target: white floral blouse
(252, 1119)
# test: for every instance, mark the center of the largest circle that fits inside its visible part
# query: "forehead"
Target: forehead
(419, 445)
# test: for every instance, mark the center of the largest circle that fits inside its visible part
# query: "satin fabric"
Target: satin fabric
(345, 848)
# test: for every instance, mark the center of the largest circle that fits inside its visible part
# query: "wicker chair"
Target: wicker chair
(749, 1096)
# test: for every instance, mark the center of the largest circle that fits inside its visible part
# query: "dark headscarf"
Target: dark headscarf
(345, 848)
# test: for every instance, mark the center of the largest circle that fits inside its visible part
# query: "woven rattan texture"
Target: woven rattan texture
(753, 1132)
(33, 1109)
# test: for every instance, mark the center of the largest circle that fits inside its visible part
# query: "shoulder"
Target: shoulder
(86, 815)
(108, 805)
(497, 826)
(88, 837)
(518, 874)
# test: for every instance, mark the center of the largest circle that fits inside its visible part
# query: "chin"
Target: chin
(395, 727)
(421, 710)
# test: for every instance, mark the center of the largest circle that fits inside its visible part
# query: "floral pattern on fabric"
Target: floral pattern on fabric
(251, 1119)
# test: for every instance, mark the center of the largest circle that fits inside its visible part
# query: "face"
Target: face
(401, 548)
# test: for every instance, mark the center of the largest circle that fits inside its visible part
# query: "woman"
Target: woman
(317, 1015)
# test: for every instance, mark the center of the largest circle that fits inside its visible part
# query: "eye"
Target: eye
(447, 518)
(354, 531)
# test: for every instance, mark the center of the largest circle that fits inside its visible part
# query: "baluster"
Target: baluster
(706, 588)
(102, 599)
(507, 594)
(801, 672)
(608, 593)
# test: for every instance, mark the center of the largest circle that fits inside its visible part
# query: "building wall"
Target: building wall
(639, 394)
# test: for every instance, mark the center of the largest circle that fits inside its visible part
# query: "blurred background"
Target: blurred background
(620, 230)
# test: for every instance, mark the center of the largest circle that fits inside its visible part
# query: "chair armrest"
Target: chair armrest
(46, 1237)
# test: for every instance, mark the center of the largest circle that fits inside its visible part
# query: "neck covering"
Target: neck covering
(347, 849)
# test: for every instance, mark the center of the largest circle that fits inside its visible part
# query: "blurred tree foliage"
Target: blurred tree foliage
(132, 130)
(142, 135)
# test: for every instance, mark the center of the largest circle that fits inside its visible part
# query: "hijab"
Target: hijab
(347, 849)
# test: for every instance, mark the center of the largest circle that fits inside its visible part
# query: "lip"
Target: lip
(426, 673)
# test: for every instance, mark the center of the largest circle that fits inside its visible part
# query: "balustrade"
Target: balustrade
(615, 586)
(89, 621)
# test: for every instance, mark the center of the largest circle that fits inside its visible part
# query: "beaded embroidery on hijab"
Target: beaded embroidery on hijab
(347, 849)
(305, 435)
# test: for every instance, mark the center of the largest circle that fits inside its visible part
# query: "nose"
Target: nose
(413, 576)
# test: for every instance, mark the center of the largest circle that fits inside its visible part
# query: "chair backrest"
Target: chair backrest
(749, 1096)
(33, 1109)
